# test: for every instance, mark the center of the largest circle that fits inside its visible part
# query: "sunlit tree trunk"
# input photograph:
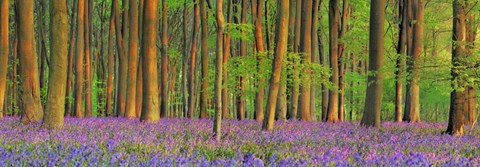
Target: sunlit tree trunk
(29, 79)
(132, 61)
(71, 51)
(217, 124)
(150, 100)
(456, 119)
(306, 49)
(471, 31)
(259, 45)
(342, 60)
(296, 48)
(111, 63)
(373, 102)
(333, 20)
(55, 106)
(281, 42)
(3, 52)
(88, 62)
(240, 98)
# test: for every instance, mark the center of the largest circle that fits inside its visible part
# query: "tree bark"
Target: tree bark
(217, 123)
(281, 42)
(88, 62)
(55, 106)
(373, 102)
(111, 63)
(193, 62)
(203, 90)
(30, 86)
(164, 85)
(150, 104)
(132, 61)
(333, 20)
(259, 45)
(306, 49)
(4, 25)
(401, 51)
(122, 63)
(412, 108)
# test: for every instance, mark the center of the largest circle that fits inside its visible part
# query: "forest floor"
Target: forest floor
(177, 142)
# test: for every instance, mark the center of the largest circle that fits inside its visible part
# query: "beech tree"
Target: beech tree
(55, 107)
(29, 75)
(281, 40)
(132, 61)
(217, 123)
(373, 102)
(150, 102)
(3, 52)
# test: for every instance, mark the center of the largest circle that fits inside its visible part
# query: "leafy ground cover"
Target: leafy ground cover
(177, 142)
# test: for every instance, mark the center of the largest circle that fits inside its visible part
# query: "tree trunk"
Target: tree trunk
(471, 31)
(258, 33)
(132, 61)
(30, 88)
(111, 63)
(123, 64)
(150, 104)
(164, 85)
(217, 124)
(226, 54)
(58, 71)
(333, 20)
(306, 49)
(342, 59)
(204, 88)
(401, 51)
(240, 97)
(71, 55)
(296, 48)
(373, 102)
(193, 60)
(281, 41)
(88, 62)
(412, 110)
(4, 13)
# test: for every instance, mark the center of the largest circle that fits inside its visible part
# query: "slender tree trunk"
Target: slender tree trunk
(281, 42)
(150, 103)
(88, 62)
(226, 54)
(132, 61)
(30, 85)
(58, 71)
(71, 51)
(401, 51)
(111, 63)
(259, 45)
(342, 59)
(203, 90)
(164, 85)
(296, 48)
(471, 31)
(456, 119)
(333, 20)
(217, 123)
(122, 63)
(193, 60)
(4, 13)
(139, 84)
(240, 97)
(373, 102)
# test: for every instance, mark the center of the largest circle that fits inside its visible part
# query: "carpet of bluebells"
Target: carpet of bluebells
(177, 142)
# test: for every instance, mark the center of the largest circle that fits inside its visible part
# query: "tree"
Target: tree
(243, 52)
(257, 8)
(122, 62)
(204, 52)
(373, 102)
(412, 104)
(3, 52)
(456, 119)
(55, 107)
(88, 61)
(132, 61)
(333, 19)
(280, 50)
(164, 85)
(217, 123)
(71, 56)
(111, 63)
(30, 84)
(471, 31)
(150, 104)
(306, 49)
(401, 51)
(193, 62)
(79, 52)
